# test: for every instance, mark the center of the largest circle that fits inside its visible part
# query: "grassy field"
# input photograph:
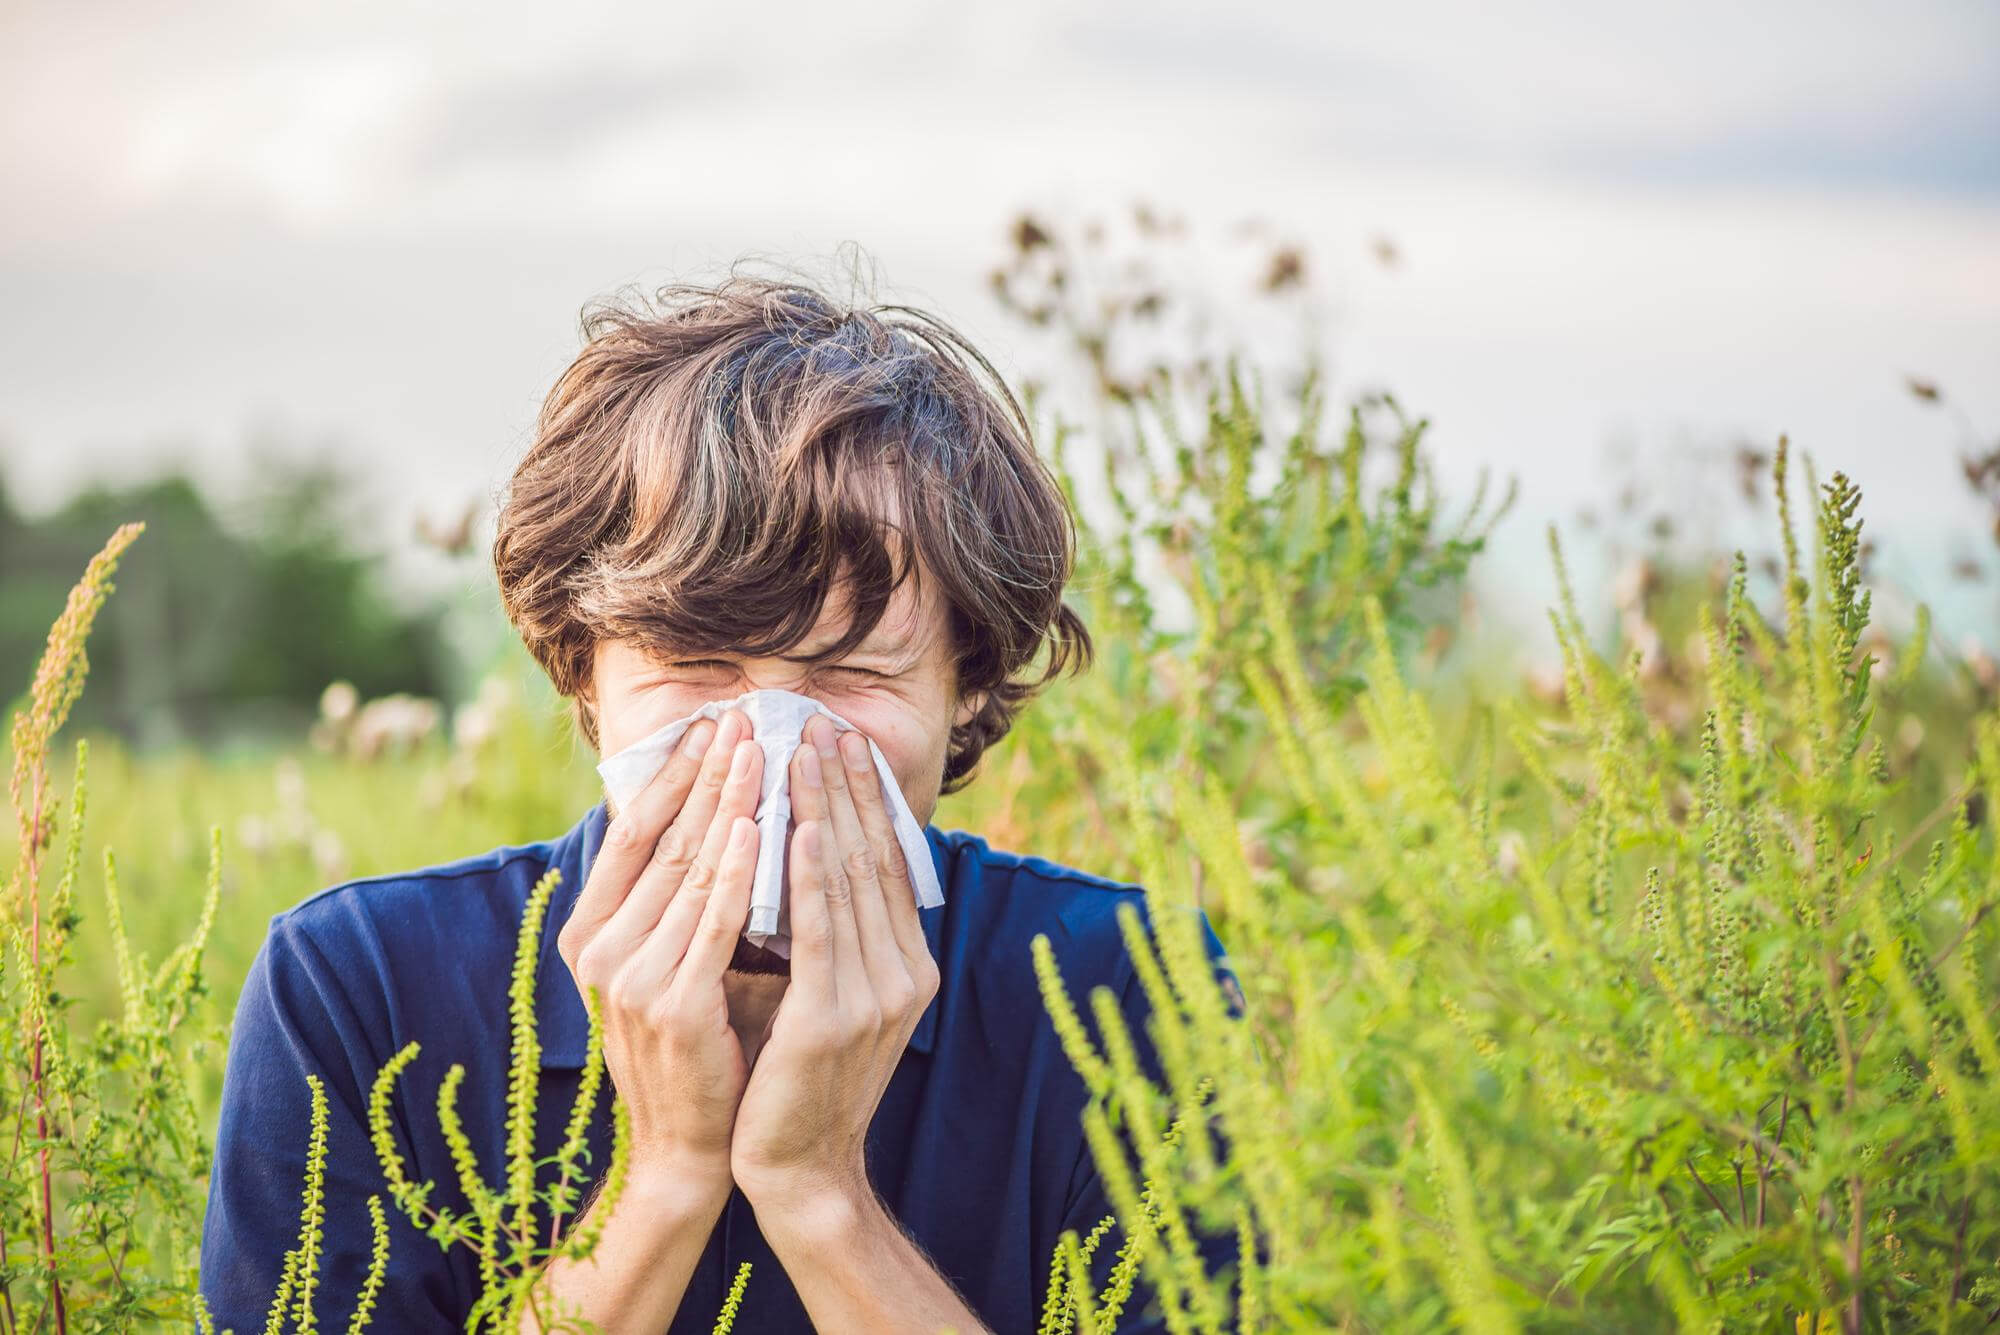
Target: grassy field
(1657, 998)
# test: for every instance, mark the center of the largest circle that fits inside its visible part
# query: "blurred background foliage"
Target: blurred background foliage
(232, 625)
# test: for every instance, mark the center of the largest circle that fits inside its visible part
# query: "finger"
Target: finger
(669, 854)
(899, 893)
(812, 927)
(808, 783)
(881, 952)
(668, 940)
(661, 957)
(849, 874)
(630, 838)
(714, 943)
(677, 851)
(840, 812)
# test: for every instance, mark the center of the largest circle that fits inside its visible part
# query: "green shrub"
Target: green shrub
(1591, 1023)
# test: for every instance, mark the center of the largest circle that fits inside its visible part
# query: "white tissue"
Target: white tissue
(777, 720)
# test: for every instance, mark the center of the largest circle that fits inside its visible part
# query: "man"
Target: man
(743, 487)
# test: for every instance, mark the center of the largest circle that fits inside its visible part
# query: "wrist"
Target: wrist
(676, 1187)
(818, 1212)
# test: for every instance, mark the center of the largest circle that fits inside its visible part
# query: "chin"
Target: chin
(756, 959)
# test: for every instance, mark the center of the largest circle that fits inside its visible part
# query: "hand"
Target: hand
(653, 930)
(862, 974)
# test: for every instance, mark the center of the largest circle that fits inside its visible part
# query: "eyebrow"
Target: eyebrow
(885, 645)
(881, 642)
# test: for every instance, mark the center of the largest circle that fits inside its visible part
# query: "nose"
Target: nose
(777, 674)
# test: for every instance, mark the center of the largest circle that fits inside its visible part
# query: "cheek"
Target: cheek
(628, 715)
(908, 741)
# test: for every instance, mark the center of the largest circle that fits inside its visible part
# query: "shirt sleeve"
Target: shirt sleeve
(294, 1017)
(1089, 1202)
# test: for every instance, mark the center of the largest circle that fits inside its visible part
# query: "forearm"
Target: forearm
(855, 1269)
(636, 1276)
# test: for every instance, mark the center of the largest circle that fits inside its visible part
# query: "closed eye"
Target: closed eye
(716, 662)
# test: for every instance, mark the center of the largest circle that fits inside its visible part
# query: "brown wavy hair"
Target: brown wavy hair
(715, 461)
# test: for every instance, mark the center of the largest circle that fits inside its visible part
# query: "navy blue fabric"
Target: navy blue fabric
(976, 1149)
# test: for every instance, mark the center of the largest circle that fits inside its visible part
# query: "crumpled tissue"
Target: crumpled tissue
(778, 720)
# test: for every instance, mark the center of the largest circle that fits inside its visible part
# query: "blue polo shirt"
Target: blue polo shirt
(977, 1148)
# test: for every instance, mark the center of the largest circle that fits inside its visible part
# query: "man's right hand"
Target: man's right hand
(652, 931)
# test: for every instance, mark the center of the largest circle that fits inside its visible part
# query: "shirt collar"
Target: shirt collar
(560, 1019)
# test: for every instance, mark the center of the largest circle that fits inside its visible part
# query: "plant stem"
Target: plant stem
(33, 858)
(1707, 1190)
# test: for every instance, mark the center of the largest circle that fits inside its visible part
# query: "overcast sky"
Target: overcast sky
(1624, 231)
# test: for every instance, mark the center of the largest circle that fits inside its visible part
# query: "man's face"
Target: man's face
(898, 687)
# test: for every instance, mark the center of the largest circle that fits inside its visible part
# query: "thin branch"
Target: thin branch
(1706, 1190)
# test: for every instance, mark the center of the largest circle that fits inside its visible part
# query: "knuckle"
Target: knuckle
(590, 965)
(623, 834)
(859, 864)
(700, 876)
(894, 864)
(899, 997)
(672, 849)
(626, 995)
(838, 891)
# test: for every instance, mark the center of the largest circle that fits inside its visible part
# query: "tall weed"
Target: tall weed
(1613, 1026)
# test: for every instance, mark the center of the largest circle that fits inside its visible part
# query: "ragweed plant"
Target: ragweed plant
(1710, 1048)
(1283, 575)
(500, 1225)
(98, 1209)
(1220, 520)
(109, 1152)
(503, 1224)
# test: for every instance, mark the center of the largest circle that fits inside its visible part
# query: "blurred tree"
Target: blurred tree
(220, 631)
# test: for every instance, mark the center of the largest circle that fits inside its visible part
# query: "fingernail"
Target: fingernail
(740, 766)
(698, 737)
(809, 763)
(855, 749)
(826, 741)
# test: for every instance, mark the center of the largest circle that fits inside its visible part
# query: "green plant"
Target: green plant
(1704, 1048)
(500, 1226)
(98, 1211)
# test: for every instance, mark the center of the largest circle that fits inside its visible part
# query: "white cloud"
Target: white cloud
(378, 219)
